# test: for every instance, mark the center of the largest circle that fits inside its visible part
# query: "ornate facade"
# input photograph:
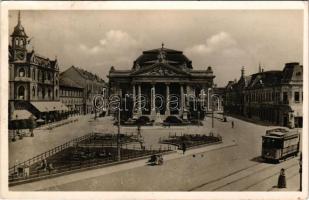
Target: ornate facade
(160, 83)
(271, 96)
(33, 79)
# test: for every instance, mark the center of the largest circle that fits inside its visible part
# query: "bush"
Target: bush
(142, 120)
(173, 120)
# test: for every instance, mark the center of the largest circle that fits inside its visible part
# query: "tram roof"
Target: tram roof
(281, 133)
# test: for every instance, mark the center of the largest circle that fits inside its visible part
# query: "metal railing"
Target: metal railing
(49, 153)
(127, 154)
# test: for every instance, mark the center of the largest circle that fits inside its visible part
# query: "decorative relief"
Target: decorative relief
(159, 71)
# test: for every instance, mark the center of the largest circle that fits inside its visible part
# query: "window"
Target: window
(285, 97)
(43, 93)
(21, 92)
(21, 72)
(33, 74)
(56, 93)
(49, 92)
(33, 91)
(296, 96)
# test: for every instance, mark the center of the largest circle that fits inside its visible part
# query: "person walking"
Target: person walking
(232, 124)
(184, 148)
(282, 179)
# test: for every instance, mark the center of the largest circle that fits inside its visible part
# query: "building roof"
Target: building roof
(88, 75)
(171, 56)
(40, 60)
(65, 81)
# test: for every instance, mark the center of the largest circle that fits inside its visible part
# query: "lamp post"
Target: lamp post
(300, 171)
(198, 118)
(212, 115)
(118, 137)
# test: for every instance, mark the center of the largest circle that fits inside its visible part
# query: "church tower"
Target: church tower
(19, 42)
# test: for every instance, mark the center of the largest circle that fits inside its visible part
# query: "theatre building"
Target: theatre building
(162, 81)
(33, 81)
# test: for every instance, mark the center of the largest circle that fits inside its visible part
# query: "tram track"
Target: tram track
(223, 177)
(268, 177)
(243, 177)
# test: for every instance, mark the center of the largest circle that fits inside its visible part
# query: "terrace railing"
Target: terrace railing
(49, 153)
(127, 155)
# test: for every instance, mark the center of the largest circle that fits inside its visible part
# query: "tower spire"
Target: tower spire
(19, 18)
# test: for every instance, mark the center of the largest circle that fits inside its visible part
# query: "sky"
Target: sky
(226, 40)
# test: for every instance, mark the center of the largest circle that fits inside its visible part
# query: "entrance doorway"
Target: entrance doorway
(298, 122)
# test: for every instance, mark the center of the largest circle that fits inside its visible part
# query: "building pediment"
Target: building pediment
(160, 69)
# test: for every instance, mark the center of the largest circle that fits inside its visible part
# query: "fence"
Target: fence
(49, 153)
(126, 155)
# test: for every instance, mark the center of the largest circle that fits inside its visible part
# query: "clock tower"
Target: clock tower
(19, 42)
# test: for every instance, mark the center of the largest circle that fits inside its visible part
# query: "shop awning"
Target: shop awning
(21, 114)
(47, 106)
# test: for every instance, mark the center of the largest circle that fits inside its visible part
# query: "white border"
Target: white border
(79, 5)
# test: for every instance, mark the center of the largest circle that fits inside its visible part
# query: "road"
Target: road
(235, 168)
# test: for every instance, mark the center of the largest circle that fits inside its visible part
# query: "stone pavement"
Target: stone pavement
(44, 140)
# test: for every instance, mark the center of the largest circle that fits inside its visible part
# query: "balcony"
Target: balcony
(23, 79)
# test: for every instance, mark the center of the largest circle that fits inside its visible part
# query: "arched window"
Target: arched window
(21, 92)
(33, 74)
(43, 93)
(16, 41)
(48, 76)
(33, 91)
(49, 93)
(21, 72)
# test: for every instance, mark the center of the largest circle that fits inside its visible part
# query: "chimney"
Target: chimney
(260, 68)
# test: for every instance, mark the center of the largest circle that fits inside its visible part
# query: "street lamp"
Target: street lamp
(198, 118)
(118, 137)
(300, 171)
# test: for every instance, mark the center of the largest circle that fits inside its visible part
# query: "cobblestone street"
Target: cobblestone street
(234, 166)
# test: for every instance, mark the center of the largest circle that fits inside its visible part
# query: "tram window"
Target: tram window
(271, 142)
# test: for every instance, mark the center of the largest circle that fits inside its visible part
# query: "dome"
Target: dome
(172, 57)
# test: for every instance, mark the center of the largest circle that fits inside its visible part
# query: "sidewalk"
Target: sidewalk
(44, 140)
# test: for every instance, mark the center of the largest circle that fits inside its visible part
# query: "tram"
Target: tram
(279, 144)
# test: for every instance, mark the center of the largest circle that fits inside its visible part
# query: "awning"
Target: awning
(21, 114)
(47, 106)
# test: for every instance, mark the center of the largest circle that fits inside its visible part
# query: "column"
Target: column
(139, 99)
(153, 100)
(167, 109)
(134, 99)
(182, 99)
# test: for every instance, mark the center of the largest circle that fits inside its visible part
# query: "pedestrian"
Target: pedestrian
(50, 168)
(232, 124)
(184, 148)
(281, 179)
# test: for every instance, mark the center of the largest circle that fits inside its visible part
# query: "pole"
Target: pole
(212, 114)
(198, 118)
(118, 137)
(300, 172)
